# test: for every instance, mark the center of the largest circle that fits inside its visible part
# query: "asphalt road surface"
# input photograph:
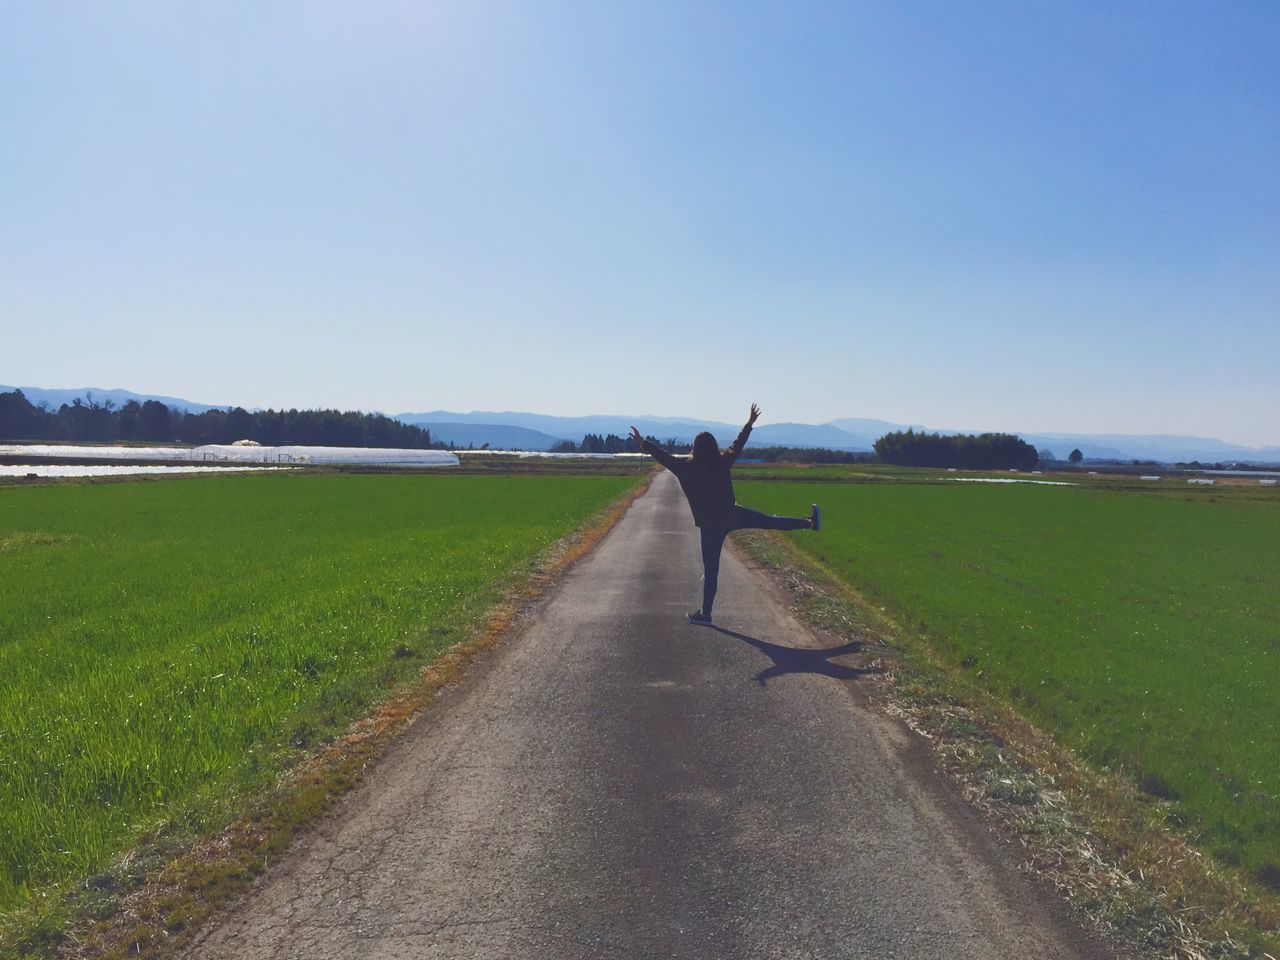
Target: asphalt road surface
(615, 782)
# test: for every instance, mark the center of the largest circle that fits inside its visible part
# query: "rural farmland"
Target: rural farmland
(166, 647)
(1138, 623)
(569, 480)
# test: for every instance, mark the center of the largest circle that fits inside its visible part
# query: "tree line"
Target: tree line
(987, 451)
(612, 443)
(155, 422)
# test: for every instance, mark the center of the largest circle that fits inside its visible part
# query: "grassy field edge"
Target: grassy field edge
(159, 895)
(1103, 845)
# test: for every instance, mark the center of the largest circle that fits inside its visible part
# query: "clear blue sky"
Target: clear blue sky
(1058, 216)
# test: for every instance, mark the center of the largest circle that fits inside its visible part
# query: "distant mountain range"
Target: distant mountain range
(56, 398)
(856, 435)
(510, 430)
(1165, 448)
(478, 428)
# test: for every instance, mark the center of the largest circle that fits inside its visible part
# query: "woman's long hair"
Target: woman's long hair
(705, 450)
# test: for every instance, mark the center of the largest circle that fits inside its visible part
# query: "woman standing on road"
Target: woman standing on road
(704, 477)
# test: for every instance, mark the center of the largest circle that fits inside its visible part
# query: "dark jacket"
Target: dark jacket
(706, 485)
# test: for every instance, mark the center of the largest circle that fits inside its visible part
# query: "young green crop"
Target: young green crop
(1142, 627)
(162, 644)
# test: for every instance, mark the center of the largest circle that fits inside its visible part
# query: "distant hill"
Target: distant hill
(55, 397)
(807, 435)
(873, 429)
(496, 435)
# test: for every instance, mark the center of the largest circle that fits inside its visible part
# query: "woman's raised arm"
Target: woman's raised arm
(736, 448)
(655, 451)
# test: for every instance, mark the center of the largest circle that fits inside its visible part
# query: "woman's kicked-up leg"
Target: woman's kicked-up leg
(745, 519)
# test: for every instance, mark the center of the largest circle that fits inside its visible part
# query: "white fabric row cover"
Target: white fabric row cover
(554, 456)
(121, 470)
(228, 453)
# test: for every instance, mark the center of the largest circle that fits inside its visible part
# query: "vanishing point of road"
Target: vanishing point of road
(614, 782)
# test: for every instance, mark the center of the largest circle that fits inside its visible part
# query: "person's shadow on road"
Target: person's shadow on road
(802, 660)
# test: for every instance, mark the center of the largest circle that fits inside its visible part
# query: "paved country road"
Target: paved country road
(614, 782)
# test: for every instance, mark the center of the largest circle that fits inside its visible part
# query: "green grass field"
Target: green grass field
(167, 645)
(1141, 626)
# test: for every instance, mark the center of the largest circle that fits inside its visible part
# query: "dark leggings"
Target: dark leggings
(713, 541)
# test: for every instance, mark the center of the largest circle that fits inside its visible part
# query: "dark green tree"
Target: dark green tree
(988, 451)
(20, 419)
(155, 422)
(130, 413)
(240, 423)
(1075, 456)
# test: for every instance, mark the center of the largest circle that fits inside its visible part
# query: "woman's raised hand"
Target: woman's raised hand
(755, 413)
(635, 435)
